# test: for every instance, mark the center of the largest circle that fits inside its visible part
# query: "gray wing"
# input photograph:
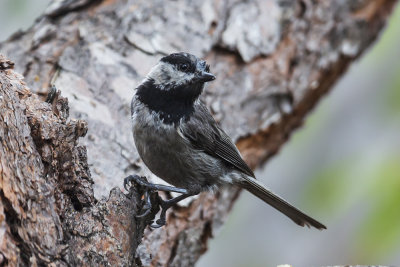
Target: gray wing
(204, 134)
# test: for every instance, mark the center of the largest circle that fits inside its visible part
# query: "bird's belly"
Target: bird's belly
(169, 157)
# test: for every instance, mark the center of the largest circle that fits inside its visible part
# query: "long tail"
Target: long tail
(262, 192)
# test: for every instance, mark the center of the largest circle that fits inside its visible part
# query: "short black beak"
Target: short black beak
(205, 77)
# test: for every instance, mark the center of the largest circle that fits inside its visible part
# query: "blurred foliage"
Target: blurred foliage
(356, 182)
(393, 96)
(328, 189)
(379, 234)
(384, 43)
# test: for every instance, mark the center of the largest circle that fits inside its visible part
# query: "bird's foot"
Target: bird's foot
(151, 203)
(146, 191)
(134, 179)
(165, 205)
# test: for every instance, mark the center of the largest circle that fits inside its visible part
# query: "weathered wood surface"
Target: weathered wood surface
(273, 60)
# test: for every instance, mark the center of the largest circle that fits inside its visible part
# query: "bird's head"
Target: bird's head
(173, 85)
(180, 70)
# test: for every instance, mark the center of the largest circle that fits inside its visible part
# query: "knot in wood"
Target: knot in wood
(5, 63)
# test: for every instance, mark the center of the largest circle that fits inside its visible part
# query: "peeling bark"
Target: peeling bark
(274, 60)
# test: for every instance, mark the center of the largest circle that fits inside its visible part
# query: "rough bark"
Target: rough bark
(273, 59)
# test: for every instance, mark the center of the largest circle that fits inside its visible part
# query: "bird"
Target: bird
(179, 141)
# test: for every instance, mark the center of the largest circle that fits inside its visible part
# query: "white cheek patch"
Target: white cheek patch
(185, 78)
(165, 74)
(156, 74)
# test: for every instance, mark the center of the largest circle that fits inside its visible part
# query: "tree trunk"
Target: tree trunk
(61, 202)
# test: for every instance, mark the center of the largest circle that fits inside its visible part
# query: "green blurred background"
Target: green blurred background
(343, 167)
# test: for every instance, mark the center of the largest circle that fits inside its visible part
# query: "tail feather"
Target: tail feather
(262, 192)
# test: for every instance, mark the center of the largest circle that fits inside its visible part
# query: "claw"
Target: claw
(164, 204)
(133, 178)
(155, 226)
(127, 181)
(144, 214)
(147, 206)
(159, 223)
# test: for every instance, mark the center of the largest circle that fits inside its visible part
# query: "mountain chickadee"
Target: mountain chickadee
(180, 142)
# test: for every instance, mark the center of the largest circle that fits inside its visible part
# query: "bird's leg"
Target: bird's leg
(165, 205)
(157, 187)
(148, 187)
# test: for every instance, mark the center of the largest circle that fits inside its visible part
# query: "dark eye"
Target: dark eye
(183, 67)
